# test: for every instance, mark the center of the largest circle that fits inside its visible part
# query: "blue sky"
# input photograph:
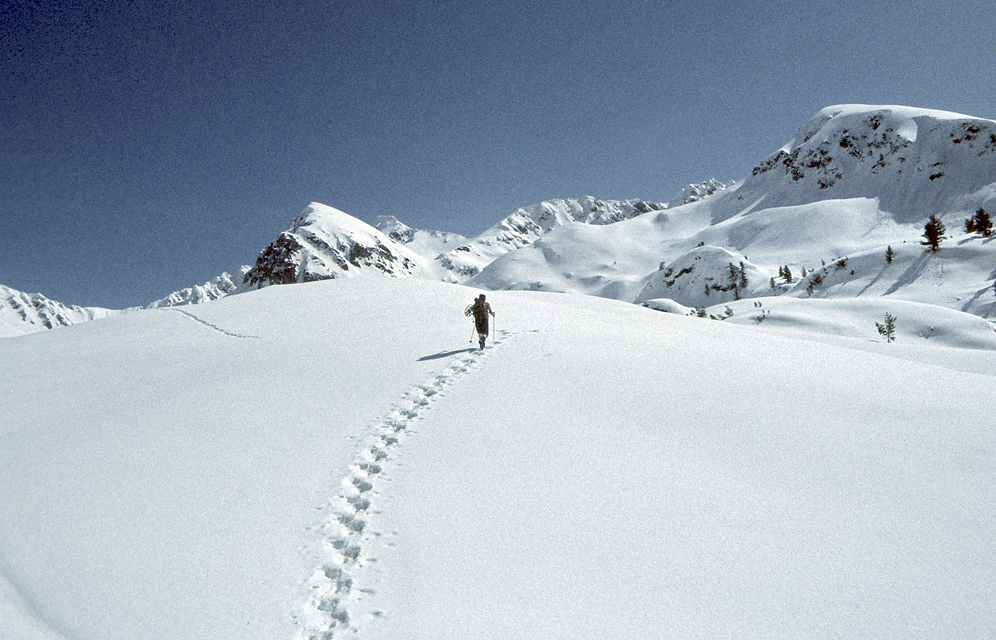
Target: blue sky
(148, 146)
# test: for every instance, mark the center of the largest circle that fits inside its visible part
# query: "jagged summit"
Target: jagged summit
(219, 287)
(22, 313)
(426, 243)
(697, 192)
(324, 243)
(527, 224)
(587, 210)
(916, 162)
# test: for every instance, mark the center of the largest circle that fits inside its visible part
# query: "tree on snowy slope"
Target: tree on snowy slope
(983, 223)
(887, 330)
(933, 233)
(980, 223)
(738, 279)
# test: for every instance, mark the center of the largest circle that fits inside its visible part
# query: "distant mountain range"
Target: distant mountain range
(30, 312)
(825, 208)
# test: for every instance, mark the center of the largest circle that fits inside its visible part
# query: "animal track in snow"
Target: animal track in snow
(346, 537)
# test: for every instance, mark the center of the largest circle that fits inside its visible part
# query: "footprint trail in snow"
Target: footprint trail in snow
(346, 537)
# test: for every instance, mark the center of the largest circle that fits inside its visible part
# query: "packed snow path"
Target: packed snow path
(348, 543)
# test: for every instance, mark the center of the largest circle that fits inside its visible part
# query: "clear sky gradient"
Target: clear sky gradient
(149, 146)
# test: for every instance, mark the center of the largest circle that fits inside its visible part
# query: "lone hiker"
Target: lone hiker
(480, 310)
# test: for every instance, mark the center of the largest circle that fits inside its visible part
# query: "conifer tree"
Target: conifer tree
(889, 254)
(933, 233)
(982, 222)
(734, 281)
(887, 330)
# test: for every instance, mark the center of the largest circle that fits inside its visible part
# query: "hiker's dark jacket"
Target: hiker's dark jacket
(480, 310)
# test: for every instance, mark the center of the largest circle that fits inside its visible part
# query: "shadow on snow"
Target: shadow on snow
(446, 354)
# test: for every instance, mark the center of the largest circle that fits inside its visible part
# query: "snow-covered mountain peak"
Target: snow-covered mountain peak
(219, 287)
(697, 192)
(324, 243)
(917, 162)
(22, 313)
(527, 224)
(857, 125)
(587, 210)
(901, 119)
(426, 243)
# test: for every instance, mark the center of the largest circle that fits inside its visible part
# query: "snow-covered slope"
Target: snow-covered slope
(513, 232)
(925, 325)
(304, 461)
(22, 313)
(607, 261)
(706, 276)
(325, 243)
(856, 180)
(525, 225)
(426, 243)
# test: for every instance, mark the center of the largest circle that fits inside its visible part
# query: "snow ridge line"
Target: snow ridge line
(208, 324)
(345, 534)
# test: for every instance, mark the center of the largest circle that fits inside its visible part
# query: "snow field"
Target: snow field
(562, 492)
(160, 474)
(333, 589)
(348, 468)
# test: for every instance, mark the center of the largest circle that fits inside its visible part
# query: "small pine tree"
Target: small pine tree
(889, 255)
(742, 278)
(887, 330)
(982, 222)
(787, 275)
(734, 280)
(933, 233)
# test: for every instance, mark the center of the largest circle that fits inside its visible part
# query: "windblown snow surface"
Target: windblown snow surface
(333, 460)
